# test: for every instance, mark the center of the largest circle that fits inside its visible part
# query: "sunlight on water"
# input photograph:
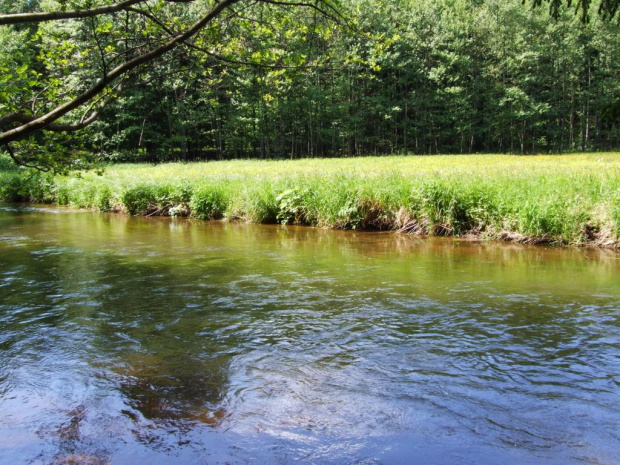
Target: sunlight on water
(126, 340)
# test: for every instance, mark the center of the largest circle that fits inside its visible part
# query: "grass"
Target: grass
(561, 199)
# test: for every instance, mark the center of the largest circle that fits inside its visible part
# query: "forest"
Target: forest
(370, 77)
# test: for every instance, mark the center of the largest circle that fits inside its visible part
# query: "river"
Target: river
(158, 340)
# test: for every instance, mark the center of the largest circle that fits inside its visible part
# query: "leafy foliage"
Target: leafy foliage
(437, 77)
(556, 199)
(263, 81)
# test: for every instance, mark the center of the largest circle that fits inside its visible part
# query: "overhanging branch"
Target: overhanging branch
(21, 18)
(45, 121)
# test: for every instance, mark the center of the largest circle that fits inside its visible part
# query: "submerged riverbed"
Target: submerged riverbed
(153, 340)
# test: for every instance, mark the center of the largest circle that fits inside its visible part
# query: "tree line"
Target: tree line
(311, 80)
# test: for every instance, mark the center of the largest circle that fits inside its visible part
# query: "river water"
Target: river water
(150, 340)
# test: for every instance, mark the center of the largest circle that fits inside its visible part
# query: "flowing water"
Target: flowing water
(144, 340)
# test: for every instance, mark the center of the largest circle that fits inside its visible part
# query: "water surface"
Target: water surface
(149, 340)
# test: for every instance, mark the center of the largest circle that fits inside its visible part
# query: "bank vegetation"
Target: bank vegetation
(567, 199)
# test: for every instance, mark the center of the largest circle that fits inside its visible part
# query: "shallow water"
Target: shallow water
(149, 340)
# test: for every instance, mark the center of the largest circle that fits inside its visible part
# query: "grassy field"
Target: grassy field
(567, 199)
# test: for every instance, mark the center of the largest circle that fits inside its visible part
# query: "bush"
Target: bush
(209, 203)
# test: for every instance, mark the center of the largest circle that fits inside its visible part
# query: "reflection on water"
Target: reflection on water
(126, 340)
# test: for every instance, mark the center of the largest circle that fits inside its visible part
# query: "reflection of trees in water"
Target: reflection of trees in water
(165, 398)
(177, 394)
(164, 324)
(73, 447)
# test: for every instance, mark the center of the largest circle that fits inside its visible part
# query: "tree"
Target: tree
(274, 78)
(607, 8)
(74, 68)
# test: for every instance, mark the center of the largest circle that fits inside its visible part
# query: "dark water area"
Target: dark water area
(160, 341)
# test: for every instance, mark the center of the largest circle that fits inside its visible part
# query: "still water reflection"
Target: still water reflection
(127, 340)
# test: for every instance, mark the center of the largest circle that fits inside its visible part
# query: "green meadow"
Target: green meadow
(555, 199)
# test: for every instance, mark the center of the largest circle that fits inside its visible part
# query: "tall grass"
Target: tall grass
(568, 199)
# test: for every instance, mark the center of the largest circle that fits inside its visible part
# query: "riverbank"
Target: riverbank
(561, 199)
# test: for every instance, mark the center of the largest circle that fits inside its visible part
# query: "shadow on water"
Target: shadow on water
(174, 341)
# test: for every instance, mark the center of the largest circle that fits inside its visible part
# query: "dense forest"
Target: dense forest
(385, 77)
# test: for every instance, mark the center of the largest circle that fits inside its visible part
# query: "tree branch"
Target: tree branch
(152, 18)
(607, 8)
(20, 18)
(253, 64)
(85, 121)
(46, 120)
(336, 16)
